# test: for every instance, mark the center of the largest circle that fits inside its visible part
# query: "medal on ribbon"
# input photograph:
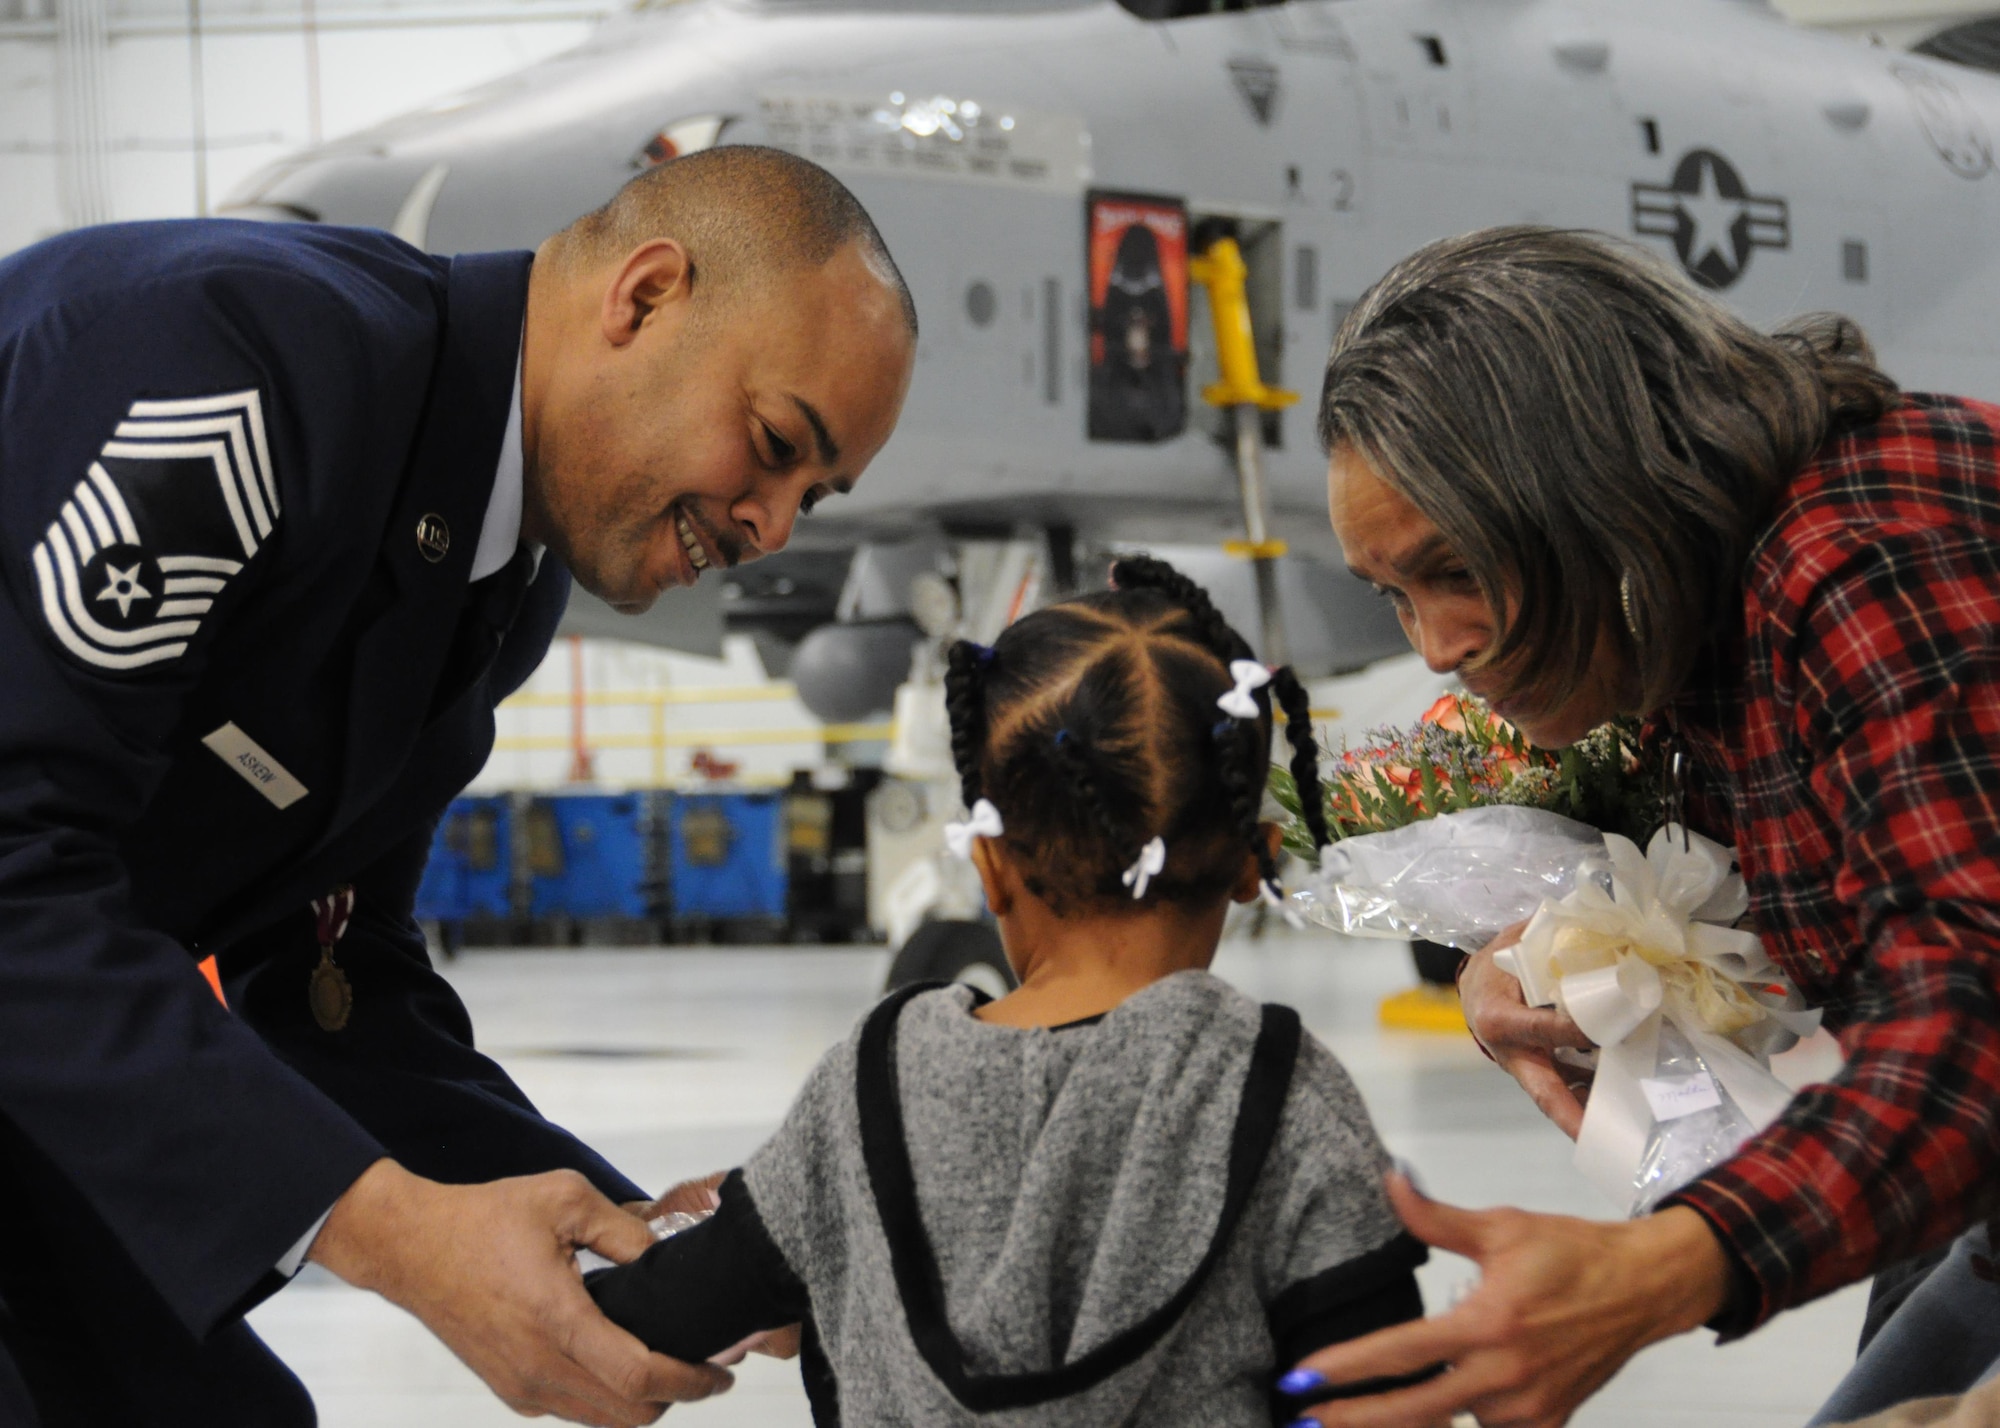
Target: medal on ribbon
(328, 992)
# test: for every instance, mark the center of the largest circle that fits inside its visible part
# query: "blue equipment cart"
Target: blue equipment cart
(727, 857)
(590, 855)
(470, 872)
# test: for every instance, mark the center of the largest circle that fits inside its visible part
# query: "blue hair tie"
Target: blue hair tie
(1062, 737)
(982, 654)
(1223, 729)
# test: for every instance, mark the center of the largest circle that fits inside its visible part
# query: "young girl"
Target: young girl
(1124, 1192)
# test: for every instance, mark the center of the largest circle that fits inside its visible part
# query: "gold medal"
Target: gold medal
(328, 992)
(331, 998)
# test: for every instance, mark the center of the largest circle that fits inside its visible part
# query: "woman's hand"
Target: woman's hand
(1561, 1305)
(1521, 1038)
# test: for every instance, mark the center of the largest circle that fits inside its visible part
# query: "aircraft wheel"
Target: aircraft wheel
(966, 952)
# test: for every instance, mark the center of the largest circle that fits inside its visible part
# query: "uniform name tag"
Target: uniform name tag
(259, 769)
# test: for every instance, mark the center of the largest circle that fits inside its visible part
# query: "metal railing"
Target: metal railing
(660, 739)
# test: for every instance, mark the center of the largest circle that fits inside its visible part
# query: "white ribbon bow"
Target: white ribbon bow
(1152, 858)
(1649, 940)
(1249, 675)
(984, 823)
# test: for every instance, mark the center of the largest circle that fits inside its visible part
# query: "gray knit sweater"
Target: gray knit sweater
(996, 1225)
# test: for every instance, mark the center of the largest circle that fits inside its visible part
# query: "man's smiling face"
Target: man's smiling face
(678, 429)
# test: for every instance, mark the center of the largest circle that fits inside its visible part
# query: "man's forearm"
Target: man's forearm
(367, 1226)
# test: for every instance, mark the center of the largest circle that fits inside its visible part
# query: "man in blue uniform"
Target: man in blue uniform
(274, 508)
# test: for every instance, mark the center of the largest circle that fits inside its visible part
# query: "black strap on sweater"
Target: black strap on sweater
(918, 1279)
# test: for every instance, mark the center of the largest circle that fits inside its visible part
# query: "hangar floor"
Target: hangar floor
(676, 1062)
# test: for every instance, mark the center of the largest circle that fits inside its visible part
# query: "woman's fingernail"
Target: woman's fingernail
(1301, 1381)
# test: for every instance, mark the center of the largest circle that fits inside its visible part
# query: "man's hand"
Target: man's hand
(1520, 1037)
(1561, 1305)
(489, 1269)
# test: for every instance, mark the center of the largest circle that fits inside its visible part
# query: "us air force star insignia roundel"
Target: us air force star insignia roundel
(180, 498)
(1713, 220)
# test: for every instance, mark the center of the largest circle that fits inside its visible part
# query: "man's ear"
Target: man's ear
(996, 875)
(654, 276)
(1249, 882)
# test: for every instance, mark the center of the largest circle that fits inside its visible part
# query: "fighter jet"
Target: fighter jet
(1047, 171)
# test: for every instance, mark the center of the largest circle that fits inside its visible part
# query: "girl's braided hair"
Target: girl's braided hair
(1093, 726)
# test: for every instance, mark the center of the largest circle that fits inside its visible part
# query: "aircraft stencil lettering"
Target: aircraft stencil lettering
(1713, 220)
(932, 135)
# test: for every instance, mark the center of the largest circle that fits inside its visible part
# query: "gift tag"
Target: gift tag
(1672, 1097)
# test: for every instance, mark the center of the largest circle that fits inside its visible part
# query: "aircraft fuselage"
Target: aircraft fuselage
(1788, 170)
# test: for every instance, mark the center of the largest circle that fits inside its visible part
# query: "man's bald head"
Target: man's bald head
(744, 213)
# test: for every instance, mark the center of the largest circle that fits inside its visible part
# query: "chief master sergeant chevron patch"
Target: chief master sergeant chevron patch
(176, 504)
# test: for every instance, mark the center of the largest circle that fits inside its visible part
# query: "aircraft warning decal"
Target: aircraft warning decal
(930, 136)
(1714, 222)
(1257, 81)
(1138, 254)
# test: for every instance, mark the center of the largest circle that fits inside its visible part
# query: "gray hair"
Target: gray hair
(1600, 443)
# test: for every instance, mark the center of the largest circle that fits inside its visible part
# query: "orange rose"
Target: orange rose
(1447, 713)
(1450, 713)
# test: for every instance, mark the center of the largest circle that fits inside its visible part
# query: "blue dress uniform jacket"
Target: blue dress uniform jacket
(243, 470)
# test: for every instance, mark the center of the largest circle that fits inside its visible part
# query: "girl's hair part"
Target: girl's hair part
(1093, 726)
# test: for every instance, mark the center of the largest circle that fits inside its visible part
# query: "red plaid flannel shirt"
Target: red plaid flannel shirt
(1850, 747)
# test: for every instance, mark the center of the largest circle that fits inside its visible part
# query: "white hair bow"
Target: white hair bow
(984, 823)
(1152, 858)
(1249, 675)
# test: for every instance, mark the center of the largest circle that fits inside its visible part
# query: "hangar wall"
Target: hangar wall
(97, 112)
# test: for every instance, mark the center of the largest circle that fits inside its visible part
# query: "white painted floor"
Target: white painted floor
(678, 1062)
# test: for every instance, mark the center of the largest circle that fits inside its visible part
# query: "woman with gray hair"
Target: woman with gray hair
(1593, 491)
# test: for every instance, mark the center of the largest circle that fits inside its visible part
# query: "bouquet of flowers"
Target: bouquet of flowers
(1461, 755)
(1458, 828)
